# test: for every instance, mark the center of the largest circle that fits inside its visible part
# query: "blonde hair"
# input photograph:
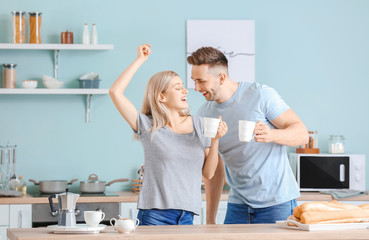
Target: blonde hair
(151, 105)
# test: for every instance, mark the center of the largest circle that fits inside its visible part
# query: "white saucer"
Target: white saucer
(79, 228)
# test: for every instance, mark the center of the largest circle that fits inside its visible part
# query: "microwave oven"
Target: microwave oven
(318, 172)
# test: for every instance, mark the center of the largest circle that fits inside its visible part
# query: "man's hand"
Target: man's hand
(263, 133)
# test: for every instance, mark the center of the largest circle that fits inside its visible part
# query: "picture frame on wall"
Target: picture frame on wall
(235, 38)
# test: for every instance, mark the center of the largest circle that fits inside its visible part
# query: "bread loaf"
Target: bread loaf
(324, 216)
(325, 206)
(330, 212)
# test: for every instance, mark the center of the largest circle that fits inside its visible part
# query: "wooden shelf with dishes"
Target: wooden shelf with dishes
(57, 48)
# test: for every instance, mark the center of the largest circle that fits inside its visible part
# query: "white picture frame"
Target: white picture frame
(235, 38)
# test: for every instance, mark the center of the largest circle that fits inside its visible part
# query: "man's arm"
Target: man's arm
(213, 190)
(291, 131)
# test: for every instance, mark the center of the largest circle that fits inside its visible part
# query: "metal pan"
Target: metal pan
(53, 186)
(93, 185)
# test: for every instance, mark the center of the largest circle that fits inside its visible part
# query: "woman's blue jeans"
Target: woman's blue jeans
(242, 213)
(165, 217)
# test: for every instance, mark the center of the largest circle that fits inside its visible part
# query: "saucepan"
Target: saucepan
(93, 185)
(53, 186)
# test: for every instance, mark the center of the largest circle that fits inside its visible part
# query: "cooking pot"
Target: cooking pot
(53, 186)
(93, 185)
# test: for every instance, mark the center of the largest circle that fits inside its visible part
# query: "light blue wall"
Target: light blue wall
(315, 53)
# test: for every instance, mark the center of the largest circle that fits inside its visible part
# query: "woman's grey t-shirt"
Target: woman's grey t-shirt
(173, 166)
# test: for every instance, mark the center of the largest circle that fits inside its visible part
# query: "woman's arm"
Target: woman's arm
(121, 102)
(211, 154)
(213, 191)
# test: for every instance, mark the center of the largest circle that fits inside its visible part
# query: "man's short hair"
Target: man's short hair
(208, 55)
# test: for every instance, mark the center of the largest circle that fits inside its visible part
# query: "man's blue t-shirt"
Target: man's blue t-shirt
(259, 174)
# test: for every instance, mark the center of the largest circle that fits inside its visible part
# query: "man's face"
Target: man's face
(206, 82)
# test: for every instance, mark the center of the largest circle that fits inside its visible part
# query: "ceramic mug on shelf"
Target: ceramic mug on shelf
(124, 225)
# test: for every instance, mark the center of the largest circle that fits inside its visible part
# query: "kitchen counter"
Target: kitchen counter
(236, 232)
(128, 196)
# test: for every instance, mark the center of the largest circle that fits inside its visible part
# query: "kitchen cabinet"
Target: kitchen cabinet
(129, 210)
(20, 216)
(4, 214)
(14, 216)
(57, 48)
(3, 233)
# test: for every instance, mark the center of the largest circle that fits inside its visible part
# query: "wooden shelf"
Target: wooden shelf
(87, 91)
(29, 46)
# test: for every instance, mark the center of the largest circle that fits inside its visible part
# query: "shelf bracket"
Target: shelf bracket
(88, 107)
(56, 63)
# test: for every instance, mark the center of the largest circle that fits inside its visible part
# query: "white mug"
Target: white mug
(246, 130)
(124, 225)
(93, 218)
(211, 127)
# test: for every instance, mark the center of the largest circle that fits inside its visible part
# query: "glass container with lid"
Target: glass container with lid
(19, 27)
(9, 75)
(35, 27)
(336, 144)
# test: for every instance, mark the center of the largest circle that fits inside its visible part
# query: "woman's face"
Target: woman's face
(175, 97)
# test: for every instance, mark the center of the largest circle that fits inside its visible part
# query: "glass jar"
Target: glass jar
(9, 76)
(19, 27)
(313, 139)
(35, 27)
(336, 144)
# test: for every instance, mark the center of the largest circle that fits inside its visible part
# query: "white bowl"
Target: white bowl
(48, 78)
(53, 84)
(30, 84)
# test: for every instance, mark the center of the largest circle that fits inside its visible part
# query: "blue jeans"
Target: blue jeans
(165, 217)
(242, 213)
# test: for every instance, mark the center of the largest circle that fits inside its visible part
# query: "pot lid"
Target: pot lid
(93, 178)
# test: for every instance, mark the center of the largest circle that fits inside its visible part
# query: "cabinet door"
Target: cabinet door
(4, 215)
(128, 210)
(201, 219)
(3, 233)
(222, 210)
(20, 216)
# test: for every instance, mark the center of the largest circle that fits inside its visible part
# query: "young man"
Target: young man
(263, 188)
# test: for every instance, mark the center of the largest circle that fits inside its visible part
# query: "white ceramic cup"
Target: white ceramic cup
(246, 130)
(211, 127)
(93, 218)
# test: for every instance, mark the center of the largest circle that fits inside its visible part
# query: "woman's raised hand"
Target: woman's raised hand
(144, 51)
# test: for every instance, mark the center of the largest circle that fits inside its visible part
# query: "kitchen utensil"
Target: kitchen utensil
(52, 186)
(7, 165)
(124, 225)
(67, 208)
(93, 185)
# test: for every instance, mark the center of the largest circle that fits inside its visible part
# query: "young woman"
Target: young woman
(176, 152)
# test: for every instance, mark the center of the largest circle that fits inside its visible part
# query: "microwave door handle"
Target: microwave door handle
(342, 172)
